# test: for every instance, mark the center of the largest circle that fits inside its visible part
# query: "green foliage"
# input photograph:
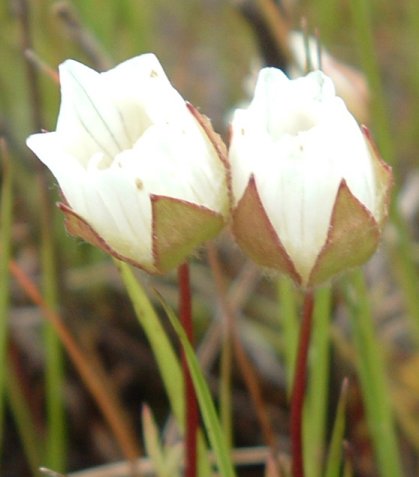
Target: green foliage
(5, 254)
(164, 353)
(209, 414)
(334, 459)
(371, 368)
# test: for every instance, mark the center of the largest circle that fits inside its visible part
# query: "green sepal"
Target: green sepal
(352, 238)
(178, 228)
(256, 236)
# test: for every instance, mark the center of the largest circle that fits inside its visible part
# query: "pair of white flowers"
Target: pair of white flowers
(145, 177)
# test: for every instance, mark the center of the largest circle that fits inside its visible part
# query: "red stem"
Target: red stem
(298, 391)
(191, 406)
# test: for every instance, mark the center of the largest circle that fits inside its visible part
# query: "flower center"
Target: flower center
(99, 161)
(299, 122)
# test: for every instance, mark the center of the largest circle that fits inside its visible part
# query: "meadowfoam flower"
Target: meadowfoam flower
(143, 175)
(310, 192)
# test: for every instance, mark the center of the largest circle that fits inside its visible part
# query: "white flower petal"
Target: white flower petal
(282, 106)
(177, 163)
(124, 220)
(74, 182)
(88, 118)
(248, 142)
(66, 168)
(143, 94)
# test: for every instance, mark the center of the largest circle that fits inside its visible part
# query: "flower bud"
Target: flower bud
(143, 174)
(310, 192)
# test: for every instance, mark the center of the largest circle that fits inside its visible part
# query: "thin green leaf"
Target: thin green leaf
(403, 247)
(226, 390)
(348, 470)
(315, 411)
(5, 251)
(152, 444)
(371, 370)
(28, 433)
(161, 346)
(209, 414)
(56, 445)
(334, 460)
(56, 442)
(164, 354)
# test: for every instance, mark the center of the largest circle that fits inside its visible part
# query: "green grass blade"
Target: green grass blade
(324, 12)
(334, 459)
(152, 443)
(348, 470)
(9, 385)
(407, 273)
(161, 346)
(166, 358)
(290, 324)
(209, 414)
(371, 370)
(29, 435)
(5, 251)
(315, 411)
(401, 254)
(56, 445)
(361, 14)
(226, 405)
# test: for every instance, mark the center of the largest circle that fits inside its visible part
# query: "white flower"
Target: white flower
(309, 191)
(143, 175)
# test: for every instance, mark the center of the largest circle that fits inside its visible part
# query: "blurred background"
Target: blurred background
(211, 51)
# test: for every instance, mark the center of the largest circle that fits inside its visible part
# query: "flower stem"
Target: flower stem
(191, 406)
(299, 386)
